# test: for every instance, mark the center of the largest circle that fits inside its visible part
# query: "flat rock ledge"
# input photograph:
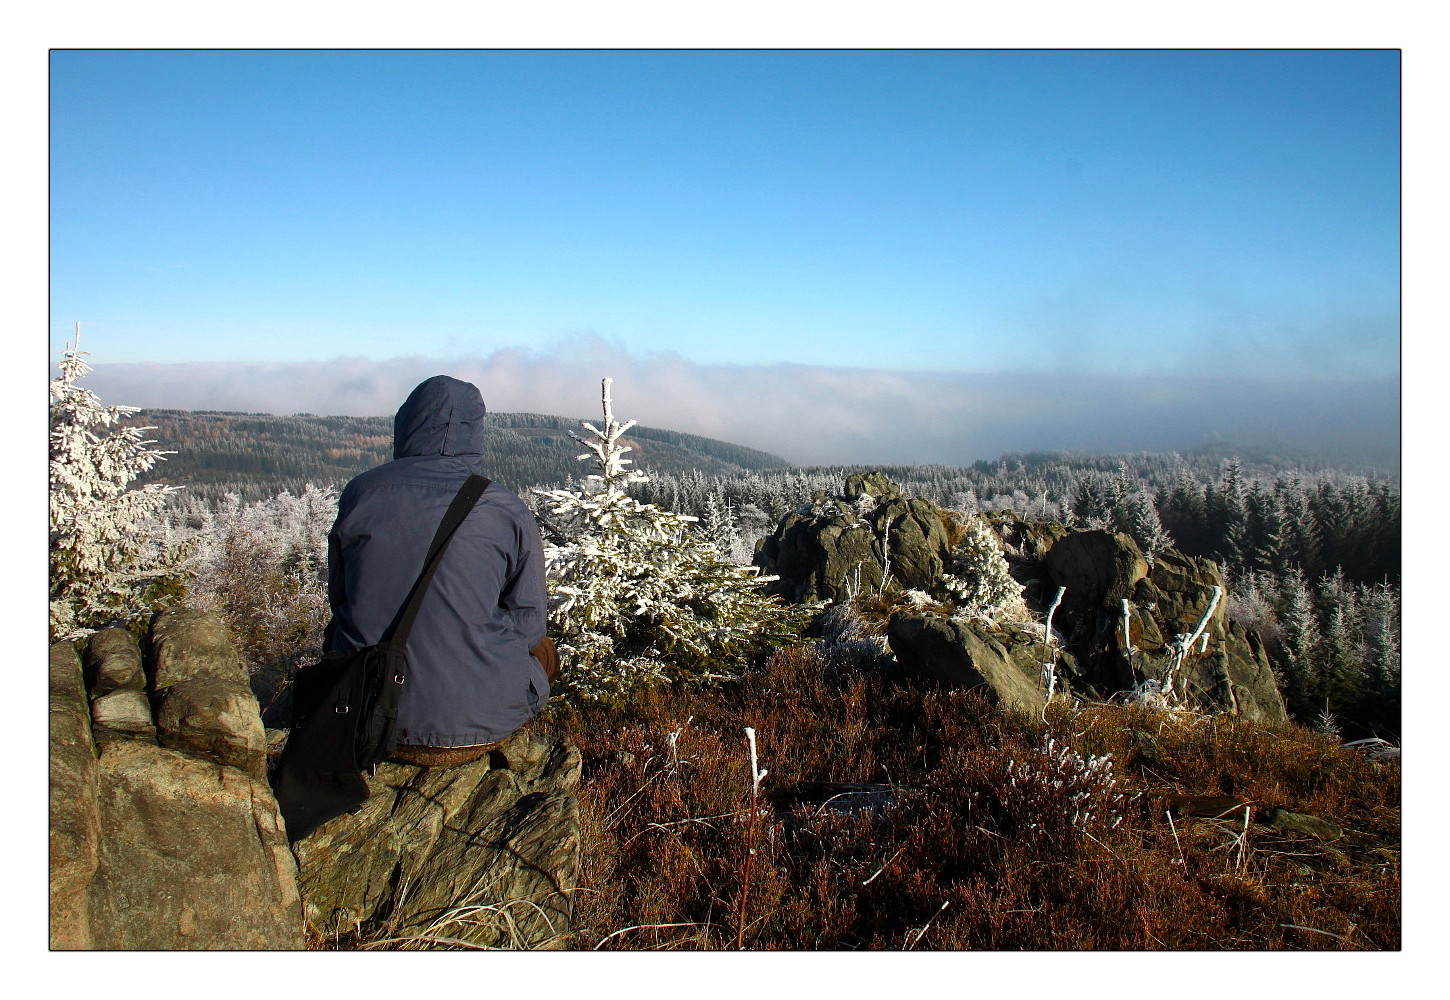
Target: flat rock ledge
(482, 855)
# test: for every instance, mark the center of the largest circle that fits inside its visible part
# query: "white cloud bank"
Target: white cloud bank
(815, 415)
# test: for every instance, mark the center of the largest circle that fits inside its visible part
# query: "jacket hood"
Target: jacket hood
(442, 416)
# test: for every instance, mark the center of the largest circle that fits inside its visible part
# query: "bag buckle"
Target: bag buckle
(340, 709)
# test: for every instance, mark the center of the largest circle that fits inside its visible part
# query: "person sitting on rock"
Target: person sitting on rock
(479, 663)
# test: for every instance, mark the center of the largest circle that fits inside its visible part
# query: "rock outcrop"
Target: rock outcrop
(869, 538)
(1230, 673)
(836, 547)
(163, 831)
(484, 854)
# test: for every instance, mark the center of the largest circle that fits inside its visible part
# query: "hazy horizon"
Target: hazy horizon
(817, 415)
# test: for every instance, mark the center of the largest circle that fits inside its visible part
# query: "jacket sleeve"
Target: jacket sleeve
(525, 596)
(334, 587)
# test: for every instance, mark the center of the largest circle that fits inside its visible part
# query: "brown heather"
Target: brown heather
(901, 816)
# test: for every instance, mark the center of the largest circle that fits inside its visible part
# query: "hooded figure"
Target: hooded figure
(471, 678)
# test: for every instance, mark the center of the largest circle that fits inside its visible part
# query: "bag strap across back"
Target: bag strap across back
(468, 494)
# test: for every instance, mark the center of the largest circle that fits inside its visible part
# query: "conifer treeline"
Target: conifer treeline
(1268, 521)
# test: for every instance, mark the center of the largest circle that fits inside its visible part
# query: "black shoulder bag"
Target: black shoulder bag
(345, 706)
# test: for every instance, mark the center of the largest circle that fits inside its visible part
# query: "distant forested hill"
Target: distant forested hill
(258, 454)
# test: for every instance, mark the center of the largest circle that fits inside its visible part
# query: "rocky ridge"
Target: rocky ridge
(1121, 627)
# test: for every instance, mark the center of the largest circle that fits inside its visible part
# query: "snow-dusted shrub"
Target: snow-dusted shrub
(106, 556)
(638, 596)
(1056, 793)
(1250, 603)
(846, 641)
(262, 567)
(976, 576)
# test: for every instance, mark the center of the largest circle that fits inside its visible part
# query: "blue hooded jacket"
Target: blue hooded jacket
(470, 678)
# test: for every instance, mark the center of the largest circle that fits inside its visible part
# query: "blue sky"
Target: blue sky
(993, 209)
(1158, 214)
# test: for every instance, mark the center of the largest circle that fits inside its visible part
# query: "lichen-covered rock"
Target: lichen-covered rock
(215, 719)
(113, 663)
(193, 856)
(75, 820)
(966, 655)
(188, 644)
(873, 484)
(117, 686)
(485, 853)
(868, 539)
(1097, 568)
(1119, 620)
(1312, 826)
(202, 702)
(123, 714)
(1232, 674)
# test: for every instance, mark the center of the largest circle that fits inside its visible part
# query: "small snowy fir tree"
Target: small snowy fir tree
(104, 555)
(638, 596)
(1136, 516)
(976, 576)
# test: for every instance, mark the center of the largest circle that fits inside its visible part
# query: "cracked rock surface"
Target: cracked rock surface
(163, 832)
(485, 854)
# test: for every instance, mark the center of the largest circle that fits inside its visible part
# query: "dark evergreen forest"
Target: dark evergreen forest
(256, 455)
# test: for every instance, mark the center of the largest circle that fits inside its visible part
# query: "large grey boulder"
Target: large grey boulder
(1232, 674)
(1097, 568)
(484, 854)
(154, 847)
(1228, 672)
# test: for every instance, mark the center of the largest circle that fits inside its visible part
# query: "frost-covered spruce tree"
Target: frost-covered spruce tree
(637, 595)
(976, 576)
(718, 525)
(104, 555)
(1136, 516)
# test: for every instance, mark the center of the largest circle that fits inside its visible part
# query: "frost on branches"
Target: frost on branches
(637, 595)
(976, 576)
(262, 567)
(103, 552)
